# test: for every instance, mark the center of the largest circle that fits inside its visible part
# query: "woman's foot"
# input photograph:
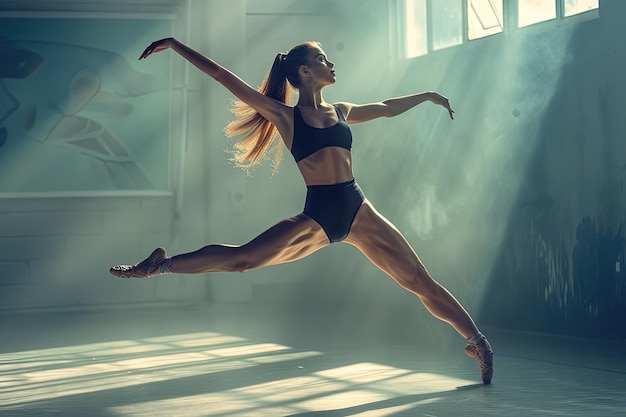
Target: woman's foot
(478, 347)
(152, 265)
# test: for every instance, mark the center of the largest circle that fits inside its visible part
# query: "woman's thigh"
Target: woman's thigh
(383, 244)
(286, 241)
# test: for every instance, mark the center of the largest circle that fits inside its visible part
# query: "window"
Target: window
(484, 18)
(431, 25)
(447, 23)
(530, 12)
(416, 36)
(572, 7)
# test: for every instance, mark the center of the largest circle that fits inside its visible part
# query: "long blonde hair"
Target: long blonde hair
(256, 134)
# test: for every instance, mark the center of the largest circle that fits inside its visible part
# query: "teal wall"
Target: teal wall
(517, 206)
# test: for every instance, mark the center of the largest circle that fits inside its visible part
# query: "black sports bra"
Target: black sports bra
(308, 139)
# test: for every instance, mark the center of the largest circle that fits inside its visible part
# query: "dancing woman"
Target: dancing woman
(335, 210)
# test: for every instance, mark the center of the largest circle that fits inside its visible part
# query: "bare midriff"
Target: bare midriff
(332, 165)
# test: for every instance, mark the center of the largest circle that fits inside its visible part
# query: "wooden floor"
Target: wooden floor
(237, 362)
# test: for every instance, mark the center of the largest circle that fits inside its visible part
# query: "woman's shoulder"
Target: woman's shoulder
(343, 107)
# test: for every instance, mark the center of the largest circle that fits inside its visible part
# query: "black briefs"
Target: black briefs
(334, 207)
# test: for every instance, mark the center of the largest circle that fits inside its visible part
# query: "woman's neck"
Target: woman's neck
(308, 98)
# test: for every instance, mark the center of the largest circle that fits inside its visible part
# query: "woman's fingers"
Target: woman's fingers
(446, 103)
(156, 46)
(148, 50)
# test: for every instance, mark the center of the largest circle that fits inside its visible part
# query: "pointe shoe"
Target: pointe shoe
(148, 267)
(482, 352)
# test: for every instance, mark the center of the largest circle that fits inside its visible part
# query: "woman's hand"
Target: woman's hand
(442, 101)
(157, 46)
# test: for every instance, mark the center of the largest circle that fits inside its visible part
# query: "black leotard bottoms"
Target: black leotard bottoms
(308, 139)
(334, 207)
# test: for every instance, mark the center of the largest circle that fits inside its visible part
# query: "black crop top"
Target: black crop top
(308, 139)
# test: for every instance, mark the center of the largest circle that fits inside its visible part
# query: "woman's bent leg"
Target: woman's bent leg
(287, 241)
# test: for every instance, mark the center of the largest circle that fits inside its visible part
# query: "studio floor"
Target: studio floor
(247, 361)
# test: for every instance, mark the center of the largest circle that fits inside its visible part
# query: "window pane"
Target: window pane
(484, 18)
(447, 22)
(416, 35)
(579, 6)
(535, 11)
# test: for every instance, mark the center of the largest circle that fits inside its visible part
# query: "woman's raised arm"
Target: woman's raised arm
(273, 110)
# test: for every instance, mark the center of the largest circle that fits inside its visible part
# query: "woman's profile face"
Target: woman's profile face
(321, 68)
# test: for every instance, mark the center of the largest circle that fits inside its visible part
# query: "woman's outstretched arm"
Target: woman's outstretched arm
(272, 110)
(356, 113)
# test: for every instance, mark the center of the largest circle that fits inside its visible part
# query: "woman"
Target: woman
(318, 136)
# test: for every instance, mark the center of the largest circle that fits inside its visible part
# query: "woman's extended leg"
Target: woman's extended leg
(286, 241)
(382, 243)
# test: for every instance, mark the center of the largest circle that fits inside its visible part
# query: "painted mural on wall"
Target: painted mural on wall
(78, 112)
